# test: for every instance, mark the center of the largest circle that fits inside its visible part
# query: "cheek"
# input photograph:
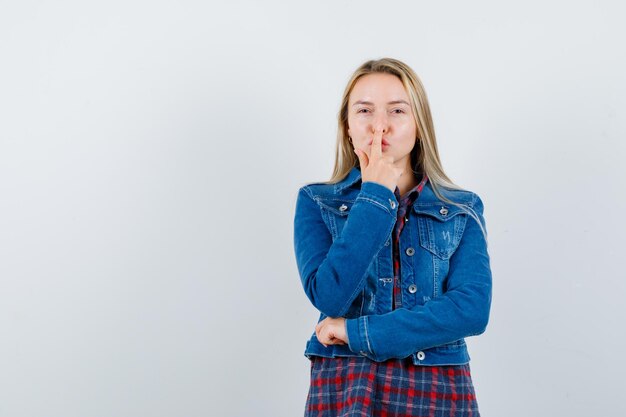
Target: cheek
(357, 125)
(359, 130)
(406, 125)
(408, 130)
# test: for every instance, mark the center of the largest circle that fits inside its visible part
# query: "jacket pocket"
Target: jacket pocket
(335, 212)
(440, 228)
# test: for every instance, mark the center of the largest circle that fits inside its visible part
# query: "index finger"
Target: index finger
(377, 147)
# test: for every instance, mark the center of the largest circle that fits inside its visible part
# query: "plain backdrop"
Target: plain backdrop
(150, 157)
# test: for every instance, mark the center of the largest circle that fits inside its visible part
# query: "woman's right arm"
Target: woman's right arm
(333, 273)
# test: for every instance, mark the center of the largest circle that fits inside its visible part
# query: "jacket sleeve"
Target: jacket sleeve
(333, 273)
(461, 311)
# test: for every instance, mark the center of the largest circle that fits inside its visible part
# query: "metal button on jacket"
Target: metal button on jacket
(412, 288)
(443, 211)
(421, 355)
(392, 203)
(410, 251)
(343, 207)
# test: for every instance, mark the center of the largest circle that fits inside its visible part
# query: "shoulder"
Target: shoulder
(319, 190)
(457, 195)
(313, 195)
(467, 198)
(344, 187)
(446, 203)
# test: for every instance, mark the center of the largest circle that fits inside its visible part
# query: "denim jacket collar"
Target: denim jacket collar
(353, 176)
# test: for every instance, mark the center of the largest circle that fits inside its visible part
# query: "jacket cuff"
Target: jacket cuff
(380, 196)
(358, 338)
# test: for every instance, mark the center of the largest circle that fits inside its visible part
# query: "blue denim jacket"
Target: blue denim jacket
(342, 242)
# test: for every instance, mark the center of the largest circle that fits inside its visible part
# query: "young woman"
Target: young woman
(394, 256)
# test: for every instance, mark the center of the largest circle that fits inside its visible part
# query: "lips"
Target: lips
(384, 142)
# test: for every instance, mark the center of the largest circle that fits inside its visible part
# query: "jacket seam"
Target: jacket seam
(367, 339)
(361, 197)
(308, 192)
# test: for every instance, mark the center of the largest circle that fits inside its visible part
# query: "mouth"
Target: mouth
(383, 142)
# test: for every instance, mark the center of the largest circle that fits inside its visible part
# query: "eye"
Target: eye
(362, 110)
(399, 110)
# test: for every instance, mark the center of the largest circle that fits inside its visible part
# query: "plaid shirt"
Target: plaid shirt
(404, 206)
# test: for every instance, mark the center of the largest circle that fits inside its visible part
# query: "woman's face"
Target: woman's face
(379, 101)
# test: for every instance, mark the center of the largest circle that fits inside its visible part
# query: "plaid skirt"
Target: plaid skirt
(358, 386)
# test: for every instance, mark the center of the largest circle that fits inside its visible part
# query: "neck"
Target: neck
(407, 180)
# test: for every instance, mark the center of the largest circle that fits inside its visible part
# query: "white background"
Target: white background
(150, 156)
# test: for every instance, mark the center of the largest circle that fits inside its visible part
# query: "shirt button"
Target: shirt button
(410, 251)
(392, 203)
(412, 288)
(421, 355)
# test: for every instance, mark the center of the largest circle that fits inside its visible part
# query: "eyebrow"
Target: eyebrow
(371, 104)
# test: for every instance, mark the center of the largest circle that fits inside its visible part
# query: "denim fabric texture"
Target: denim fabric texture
(342, 242)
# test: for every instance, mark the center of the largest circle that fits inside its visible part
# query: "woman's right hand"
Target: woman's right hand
(377, 167)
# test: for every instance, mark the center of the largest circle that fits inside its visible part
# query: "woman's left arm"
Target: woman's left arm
(462, 311)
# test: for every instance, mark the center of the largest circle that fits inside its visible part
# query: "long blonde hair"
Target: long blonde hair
(424, 156)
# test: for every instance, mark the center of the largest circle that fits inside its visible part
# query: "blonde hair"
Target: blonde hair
(424, 156)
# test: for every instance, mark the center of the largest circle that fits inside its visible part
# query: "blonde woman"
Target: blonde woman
(394, 256)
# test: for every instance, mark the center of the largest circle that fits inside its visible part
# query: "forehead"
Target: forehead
(378, 87)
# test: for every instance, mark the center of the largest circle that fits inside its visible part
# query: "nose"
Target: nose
(380, 123)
